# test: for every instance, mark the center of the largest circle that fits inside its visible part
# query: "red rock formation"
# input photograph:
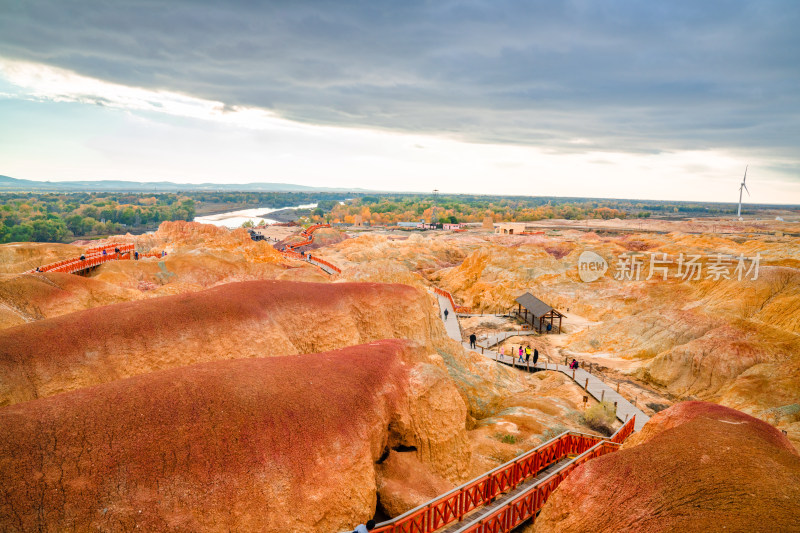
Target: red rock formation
(237, 320)
(268, 444)
(20, 257)
(694, 467)
(32, 297)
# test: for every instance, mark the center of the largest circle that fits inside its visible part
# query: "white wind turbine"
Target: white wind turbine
(742, 186)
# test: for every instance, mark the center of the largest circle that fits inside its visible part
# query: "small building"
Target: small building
(510, 228)
(516, 228)
(538, 314)
(408, 224)
(452, 226)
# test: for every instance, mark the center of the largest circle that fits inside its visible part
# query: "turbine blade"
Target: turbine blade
(745, 174)
(745, 188)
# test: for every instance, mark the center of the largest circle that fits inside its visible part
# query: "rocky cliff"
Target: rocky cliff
(262, 444)
(232, 321)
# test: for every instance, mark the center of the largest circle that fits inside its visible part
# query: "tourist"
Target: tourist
(502, 352)
(83, 257)
(364, 528)
(549, 327)
(104, 252)
(527, 355)
(446, 312)
(472, 339)
(520, 353)
(574, 364)
(535, 356)
(136, 255)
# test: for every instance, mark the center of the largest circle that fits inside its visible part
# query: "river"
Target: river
(235, 219)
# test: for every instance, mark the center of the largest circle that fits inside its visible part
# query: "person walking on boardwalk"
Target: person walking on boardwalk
(446, 312)
(535, 356)
(527, 355)
(520, 353)
(472, 339)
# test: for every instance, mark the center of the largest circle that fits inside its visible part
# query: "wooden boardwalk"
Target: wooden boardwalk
(451, 324)
(597, 388)
(324, 266)
(591, 383)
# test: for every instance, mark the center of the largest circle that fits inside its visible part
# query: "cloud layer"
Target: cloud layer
(624, 76)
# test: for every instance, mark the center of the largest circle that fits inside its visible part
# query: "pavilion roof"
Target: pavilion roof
(533, 304)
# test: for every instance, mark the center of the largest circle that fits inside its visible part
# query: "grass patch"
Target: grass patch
(506, 438)
(600, 417)
(657, 407)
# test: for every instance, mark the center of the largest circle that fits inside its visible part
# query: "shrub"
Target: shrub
(508, 439)
(657, 407)
(600, 417)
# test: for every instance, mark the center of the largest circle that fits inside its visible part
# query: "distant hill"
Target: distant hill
(12, 184)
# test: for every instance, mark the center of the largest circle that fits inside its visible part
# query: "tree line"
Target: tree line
(56, 217)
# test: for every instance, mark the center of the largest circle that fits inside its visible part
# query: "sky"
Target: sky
(620, 99)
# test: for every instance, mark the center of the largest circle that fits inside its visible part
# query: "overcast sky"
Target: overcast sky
(638, 99)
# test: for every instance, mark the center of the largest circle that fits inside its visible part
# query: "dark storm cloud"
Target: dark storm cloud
(626, 75)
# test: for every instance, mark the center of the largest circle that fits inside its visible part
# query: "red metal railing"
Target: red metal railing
(456, 308)
(315, 227)
(326, 263)
(92, 258)
(452, 506)
(308, 234)
(151, 254)
(530, 501)
(292, 253)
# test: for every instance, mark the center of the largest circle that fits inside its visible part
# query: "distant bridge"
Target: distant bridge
(290, 250)
(90, 259)
(94, 257)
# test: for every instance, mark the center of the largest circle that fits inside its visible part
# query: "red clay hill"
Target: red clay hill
(263, 444)
(694, 467)
(231, 321)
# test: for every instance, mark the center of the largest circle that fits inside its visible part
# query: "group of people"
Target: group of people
(523, 350)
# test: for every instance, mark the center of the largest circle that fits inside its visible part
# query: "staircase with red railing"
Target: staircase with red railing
(513, 493)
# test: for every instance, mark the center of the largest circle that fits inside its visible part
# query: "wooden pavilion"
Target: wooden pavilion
(537, 313)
